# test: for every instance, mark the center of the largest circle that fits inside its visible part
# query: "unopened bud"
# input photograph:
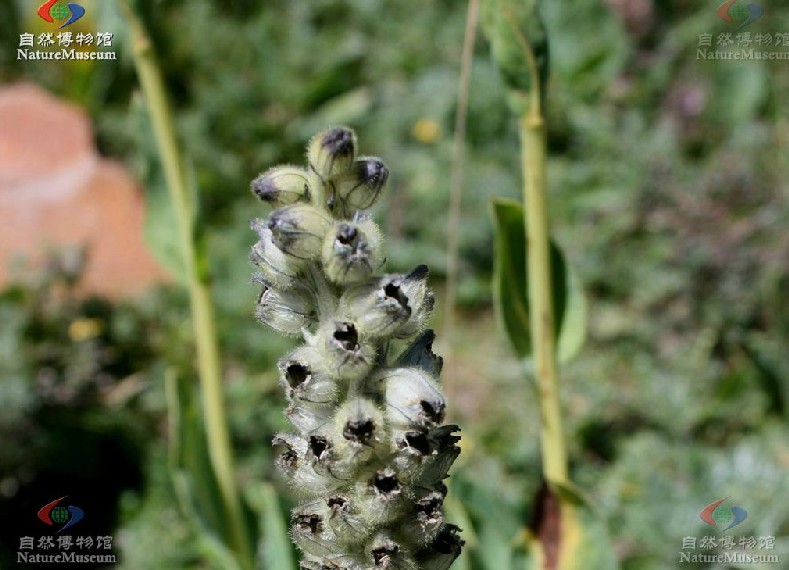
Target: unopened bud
(282, 186)
(412, 397)
(378, 309)
(381, 496)
(360, 187)
(352, 251)
(332, 152)
(305, 379)
(420, 298)
(348, 355)
(360, 428)
(287, 311)
(276, 266)
(299, 230)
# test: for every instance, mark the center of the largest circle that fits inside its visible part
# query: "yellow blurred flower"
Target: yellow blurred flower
(426, 130)
(84, 329)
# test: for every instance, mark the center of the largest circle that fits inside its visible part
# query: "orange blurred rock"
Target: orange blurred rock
(56, 191)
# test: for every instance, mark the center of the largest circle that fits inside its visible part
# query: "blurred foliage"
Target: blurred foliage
(668, 180)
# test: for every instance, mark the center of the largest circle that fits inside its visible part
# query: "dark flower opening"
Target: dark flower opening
(447, 541)
(319, 446)
(383, 554)
(418, 440)
(429, 506)
(346, 335)
(337, 503)
(385, 483)
(360, 432)
(311, 522)
(348, 235)
(297, 374)
(393, 291)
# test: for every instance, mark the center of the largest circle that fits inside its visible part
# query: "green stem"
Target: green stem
(203, 320)
(533, 145)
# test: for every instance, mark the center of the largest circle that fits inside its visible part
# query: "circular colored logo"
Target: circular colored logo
(59, 11)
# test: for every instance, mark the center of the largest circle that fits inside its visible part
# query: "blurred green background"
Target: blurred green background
(669, 192)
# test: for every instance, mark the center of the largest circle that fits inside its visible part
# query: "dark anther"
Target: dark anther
(386, 483)
(348, 235)
(358, 431)
(338, 141)
(297, 374)
(346, 335)
(418, 440)
(312, 522)
(318, 445)
(383, 554)
(434, 413)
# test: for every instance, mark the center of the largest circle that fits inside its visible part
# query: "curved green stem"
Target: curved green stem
(203, 321)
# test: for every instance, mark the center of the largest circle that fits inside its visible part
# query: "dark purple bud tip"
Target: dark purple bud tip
(297, 374)
(264, 188)
(348, 235)
(419, 272)
(338, 141)
(372, 171)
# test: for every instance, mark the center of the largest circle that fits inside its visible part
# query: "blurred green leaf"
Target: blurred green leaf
(517, 36)
(192, 476)
(276, 548)
(511, 289)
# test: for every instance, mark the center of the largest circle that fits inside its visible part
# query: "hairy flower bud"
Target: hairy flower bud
(360, 187)
(347, 354)
(412, 398)
(276, 266)
(287, 311)
(352, 251)
(378, 309)
(332, 152)
(282, 186)
(305, 379)
(298, 230)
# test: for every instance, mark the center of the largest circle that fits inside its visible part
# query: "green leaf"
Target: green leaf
(511, 289)
(516, 34)
(193, 478)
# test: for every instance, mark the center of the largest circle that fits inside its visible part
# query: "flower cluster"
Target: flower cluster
(370, 454)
